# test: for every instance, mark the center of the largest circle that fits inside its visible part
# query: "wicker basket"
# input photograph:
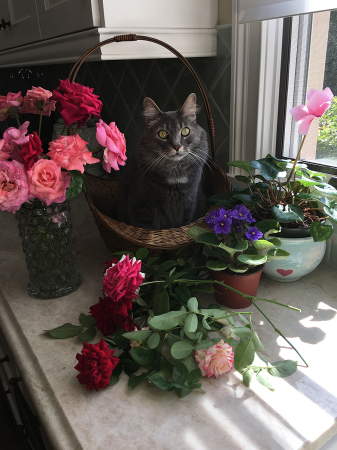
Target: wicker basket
(120, 236)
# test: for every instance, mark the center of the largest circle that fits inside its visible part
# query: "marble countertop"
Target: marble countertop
(299, 414)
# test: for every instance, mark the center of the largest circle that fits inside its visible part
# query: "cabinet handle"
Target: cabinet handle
(4, 24)
(5, 359)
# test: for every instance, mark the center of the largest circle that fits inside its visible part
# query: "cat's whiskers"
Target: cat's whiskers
(154, 163)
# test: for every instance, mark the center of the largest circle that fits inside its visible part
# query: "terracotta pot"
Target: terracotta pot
(243, 282)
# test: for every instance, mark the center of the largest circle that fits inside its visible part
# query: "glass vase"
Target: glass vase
(49, 248)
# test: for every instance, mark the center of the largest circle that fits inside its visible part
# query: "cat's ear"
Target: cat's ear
(189, 108)
(151, 111)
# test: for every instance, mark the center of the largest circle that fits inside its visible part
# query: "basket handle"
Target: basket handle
(135, 37)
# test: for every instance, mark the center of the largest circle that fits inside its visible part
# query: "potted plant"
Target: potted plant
(237, 249)
(298, 198)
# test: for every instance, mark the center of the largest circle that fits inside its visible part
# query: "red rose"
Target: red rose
(95, 365)
(31, 150)
(110, 263)
(110, 314)
(122, 279)
(76, 103)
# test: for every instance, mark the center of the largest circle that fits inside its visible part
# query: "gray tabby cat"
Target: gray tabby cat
(161, 185)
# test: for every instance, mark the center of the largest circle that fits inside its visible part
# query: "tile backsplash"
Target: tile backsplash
(123, 84)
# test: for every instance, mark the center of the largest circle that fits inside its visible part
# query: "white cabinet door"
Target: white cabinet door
(24, 25)
(59, 17)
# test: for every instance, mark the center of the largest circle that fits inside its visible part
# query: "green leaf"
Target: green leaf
(152, 260)
(277, 253)
(182, 392)
(113, 380)
(331, 212)
(168, 320)
(205, 344)
(308, 182)
(134, 380)
(242, 331)
(275, 241)
(143, 356)
(248, 199)
(194, 376)
(319, 232)
(257, 343)
(205, 323)
(166, 265)
(243, 319)
(283, 369)
(244, 165)
(129, 366)
(76, 184)
(244, 354)
(88, 334)
(140, 301)
(161, 304)
(240, 269)
(87, 321)
(268, 168)
(206, 237)
(183, 293)
(117, 341)
(161, 382)
(290, 213)
(142, 253)
(181, 262)
(190, 363)
(243, 179)
(192, 304)
(262, 244)
(216, 265)
(191, 323)
(138, 335)
(247, 376)
(180, 373)
(154, 340)
(263, 378)
(253, 260)
(65, 331)
(181, 349)
(266, 225)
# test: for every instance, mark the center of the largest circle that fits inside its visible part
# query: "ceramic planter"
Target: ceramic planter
(305, 256)
(243, 282)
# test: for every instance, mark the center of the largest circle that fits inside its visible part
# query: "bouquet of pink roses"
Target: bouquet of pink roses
(26, 172)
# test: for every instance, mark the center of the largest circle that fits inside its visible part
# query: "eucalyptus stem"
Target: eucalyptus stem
(40, 123)
(281, 334)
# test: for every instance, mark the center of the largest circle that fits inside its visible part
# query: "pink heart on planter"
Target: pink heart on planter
(284, 273)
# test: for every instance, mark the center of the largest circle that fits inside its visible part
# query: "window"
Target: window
(309, 62)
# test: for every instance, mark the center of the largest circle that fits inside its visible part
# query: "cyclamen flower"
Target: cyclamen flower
(71, 153)
(38, 100)
(14, 188)
(95, 364)
(110, 314)
(254, 234)
(113, 140)
(216, 360)
(121, 280)
(222, 225)
(318, 103)
(7, 102)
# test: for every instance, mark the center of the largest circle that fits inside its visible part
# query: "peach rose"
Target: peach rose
(47, 182)
(216, 360)
(7, 102)
(36, 100)
(71, 153)
(110, 137)
(13, 185)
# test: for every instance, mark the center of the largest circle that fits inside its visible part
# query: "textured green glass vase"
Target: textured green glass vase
(48, 244)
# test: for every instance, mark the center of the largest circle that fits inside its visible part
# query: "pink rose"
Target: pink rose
(110, 137)
(76, 103)
(7, 102)
(318, 103)
(71, 153)
(47, 182)
(122, 279)
(36, 100)
(4, 152)
(216, 360)
(13, 185)
(14, 137)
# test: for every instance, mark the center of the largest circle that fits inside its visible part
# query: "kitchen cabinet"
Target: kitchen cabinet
(56, 31)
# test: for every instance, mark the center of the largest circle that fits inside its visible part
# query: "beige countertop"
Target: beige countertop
(300, 413)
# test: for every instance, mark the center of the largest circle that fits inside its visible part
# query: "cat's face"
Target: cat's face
(173, 134)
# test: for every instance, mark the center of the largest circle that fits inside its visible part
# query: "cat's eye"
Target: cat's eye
(185, 131)
(163, 134)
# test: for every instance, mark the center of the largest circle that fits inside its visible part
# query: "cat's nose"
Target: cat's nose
(176, 147)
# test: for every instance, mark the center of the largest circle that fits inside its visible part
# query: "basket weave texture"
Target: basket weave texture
(119, 236)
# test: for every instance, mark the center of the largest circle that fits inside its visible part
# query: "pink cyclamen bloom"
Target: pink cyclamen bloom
(13, 185)
(47, 182)
(113, 140)
(7, 102)
(38, 99)
(318, 103)
(216, 360)
(71, 153)
(14, 137)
